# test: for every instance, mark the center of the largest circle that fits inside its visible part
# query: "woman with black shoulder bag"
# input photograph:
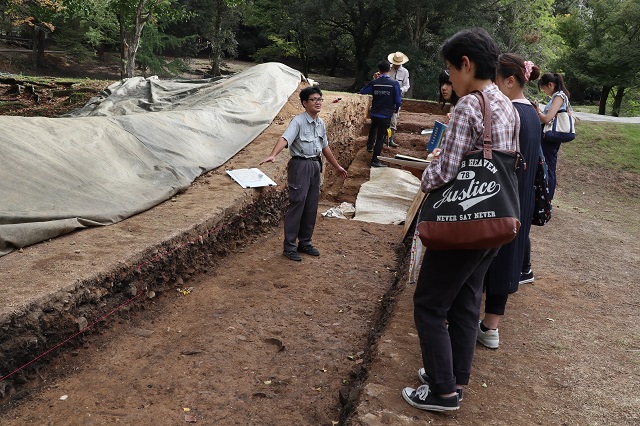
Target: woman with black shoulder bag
(448, 292)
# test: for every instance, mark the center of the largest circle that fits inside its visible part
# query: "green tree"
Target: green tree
(365, 22)
(85, 27)
(132, 16)
(37, 15)
(521, 25)
(420, 27)
(156, 40)
(216, 21)
(293, 28)
(603, 47)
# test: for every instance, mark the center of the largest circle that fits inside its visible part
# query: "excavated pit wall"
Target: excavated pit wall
(53, 290)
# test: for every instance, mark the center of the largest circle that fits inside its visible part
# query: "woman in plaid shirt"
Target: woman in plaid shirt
(449, 289)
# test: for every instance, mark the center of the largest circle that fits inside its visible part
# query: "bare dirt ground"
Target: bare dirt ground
(259, 340)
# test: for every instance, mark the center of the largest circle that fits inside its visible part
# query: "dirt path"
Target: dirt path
(597, 117)
(569, 349)
(260, 340)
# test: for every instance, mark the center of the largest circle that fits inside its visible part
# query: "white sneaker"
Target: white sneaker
(489, 338)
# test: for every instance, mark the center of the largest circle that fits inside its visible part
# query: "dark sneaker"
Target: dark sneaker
(310, 250)
(293, 255)
(424, 399)
(526, 277)
(369, 148)
(392, 144)
(378, 164)
(424, 378)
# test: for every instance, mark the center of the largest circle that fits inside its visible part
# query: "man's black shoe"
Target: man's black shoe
(293, 255)
(310, 250)
(378, 164)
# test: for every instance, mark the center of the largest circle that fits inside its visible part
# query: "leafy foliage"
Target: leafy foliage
(603, 46)
(595, 43)
(154, 41)
(33, 12)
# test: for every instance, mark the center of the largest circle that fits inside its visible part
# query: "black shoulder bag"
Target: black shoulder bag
(480, 208)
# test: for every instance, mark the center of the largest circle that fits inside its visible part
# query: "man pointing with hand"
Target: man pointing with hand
(306, 138)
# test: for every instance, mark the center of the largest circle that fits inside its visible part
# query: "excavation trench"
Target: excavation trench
(215, 233)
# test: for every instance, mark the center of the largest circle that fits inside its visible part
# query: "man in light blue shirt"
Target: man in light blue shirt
(306, 138)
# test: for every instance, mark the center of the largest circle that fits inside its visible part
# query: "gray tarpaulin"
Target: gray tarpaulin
(127, 150)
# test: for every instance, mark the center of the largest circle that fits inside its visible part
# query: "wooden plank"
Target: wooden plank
(419, 165)
(414, 208)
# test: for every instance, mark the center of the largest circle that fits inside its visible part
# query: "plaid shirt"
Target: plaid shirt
(464, 134)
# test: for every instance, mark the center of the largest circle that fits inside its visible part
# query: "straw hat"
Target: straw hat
(398, 58)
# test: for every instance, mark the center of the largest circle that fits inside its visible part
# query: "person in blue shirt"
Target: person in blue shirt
(386, 100)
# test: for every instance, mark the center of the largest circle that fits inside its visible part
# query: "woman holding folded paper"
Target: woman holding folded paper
(553, 85)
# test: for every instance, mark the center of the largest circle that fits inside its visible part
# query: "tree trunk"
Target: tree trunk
(130, 40)
(363, 42)
(335, 59)
(129, 60)
(302, 53)
(39, 37)
(216, 43)
(617, 101)
(603, 99)
(360, 65)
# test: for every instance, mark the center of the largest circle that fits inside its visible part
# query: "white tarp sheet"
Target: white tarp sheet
(127, 150)
(387, 196)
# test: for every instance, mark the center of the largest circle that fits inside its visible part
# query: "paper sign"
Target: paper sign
(250, 178)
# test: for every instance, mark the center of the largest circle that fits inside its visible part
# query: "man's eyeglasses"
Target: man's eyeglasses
(315, 100)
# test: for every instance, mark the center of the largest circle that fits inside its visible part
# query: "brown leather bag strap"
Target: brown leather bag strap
(486, 113)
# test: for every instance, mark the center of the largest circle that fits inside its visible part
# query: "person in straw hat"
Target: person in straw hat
(401, 75)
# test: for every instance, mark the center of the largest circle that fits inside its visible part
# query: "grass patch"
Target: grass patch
(606, 146)
(592, 109)
(8, 107)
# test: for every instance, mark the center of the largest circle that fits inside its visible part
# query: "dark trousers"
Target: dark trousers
(449, 289)
(526, 260)
(495, 303)
(304, 192)
(550, 151)
(377, 133)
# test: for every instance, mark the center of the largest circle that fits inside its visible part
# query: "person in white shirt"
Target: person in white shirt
(401, 75)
